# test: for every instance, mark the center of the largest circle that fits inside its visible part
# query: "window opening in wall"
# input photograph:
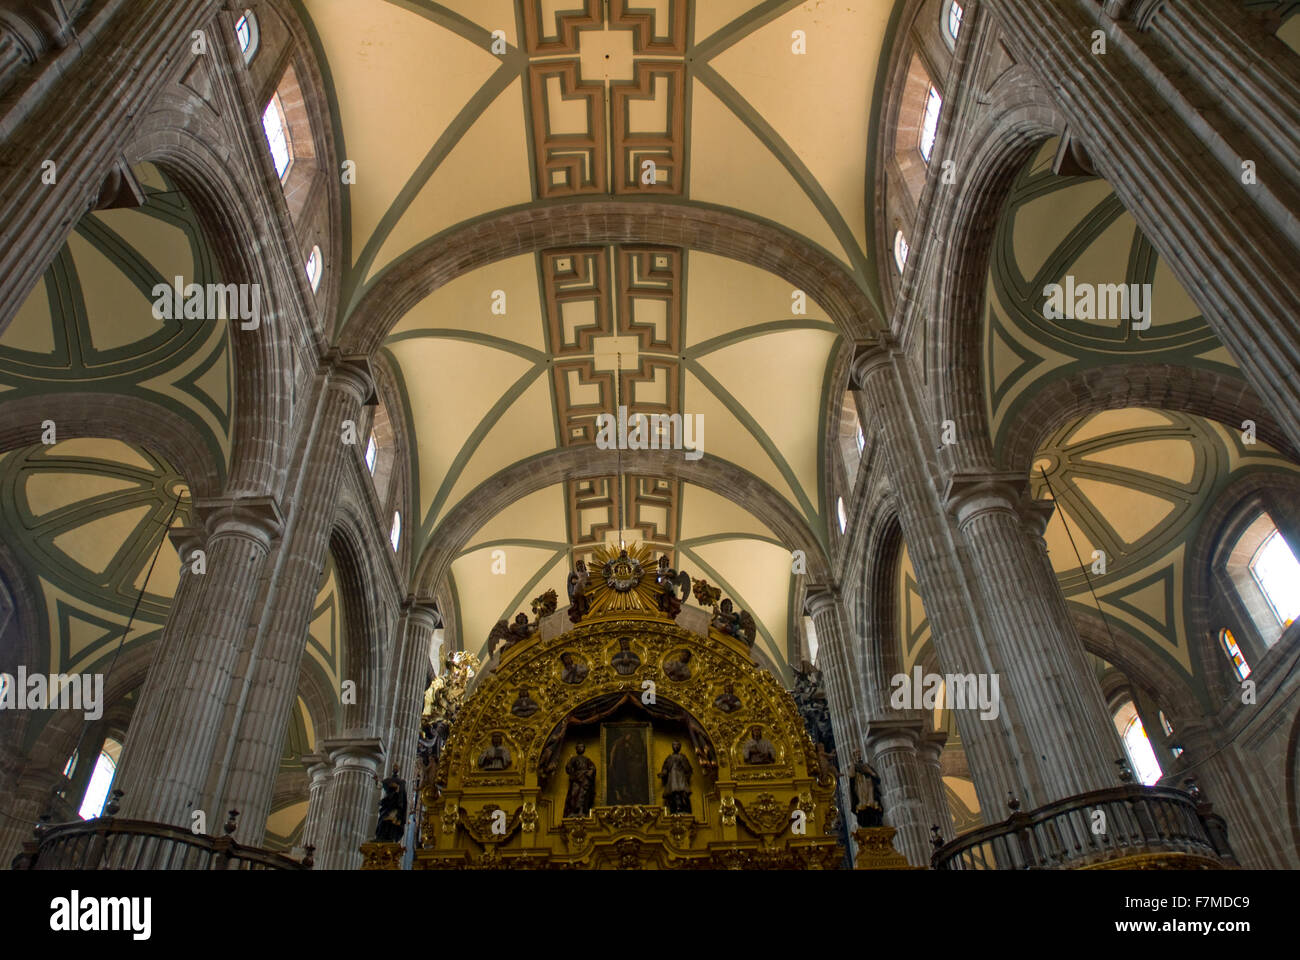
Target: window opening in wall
(277, 136)
(901, 250)
(395, 535)
(862, 441)
(955, 13)
(372, 455)
(1136, 743)
(844, 515)
(1229, 644)
(930, 123)
(101, 780)
(1275, 569)
(314, 268)
(1165, 725)
(244, 31)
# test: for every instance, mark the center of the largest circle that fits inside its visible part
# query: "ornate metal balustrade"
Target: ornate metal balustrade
(1124, 827)
(113, 843)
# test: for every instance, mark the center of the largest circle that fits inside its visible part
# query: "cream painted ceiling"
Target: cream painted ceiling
(443, 130)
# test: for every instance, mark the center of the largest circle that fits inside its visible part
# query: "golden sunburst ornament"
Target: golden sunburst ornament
(623, 581)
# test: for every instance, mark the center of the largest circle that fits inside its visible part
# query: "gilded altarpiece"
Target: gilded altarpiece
(633, 686)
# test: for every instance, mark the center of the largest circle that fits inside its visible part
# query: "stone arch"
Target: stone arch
(967, 218)
(360, 662)
(694, 226)
(1214, 396)
(573, 463)
(133, 420)
(260, 358)
(877, 606)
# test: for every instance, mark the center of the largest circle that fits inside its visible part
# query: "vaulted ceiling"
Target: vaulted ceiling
(707, 104)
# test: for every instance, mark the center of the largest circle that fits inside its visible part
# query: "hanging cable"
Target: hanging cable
(1096, 602)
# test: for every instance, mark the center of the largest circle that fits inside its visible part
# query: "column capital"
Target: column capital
(187, 539)
(819, 599)
(870, 355)
(319, 766)
(424, 613)
(931, 745)
(363, 754)
(353, 373)
(884, 736)
(970, 494)
(256, 518)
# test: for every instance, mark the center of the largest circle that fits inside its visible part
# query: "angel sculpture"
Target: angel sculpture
(706, 595)
(579, 602)
(545, 605)
(669, 582)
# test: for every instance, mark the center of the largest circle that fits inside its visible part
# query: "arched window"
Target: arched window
(372, 455)
(930, 122)
(247, 33)
(395, 534)
(314, 272)
(1136, 744)
(844, 514)
(1229, 644)
(1263, 570)
(277, 137)
(101, 780)
(952, 16)
(1275, 569)
(901, 250)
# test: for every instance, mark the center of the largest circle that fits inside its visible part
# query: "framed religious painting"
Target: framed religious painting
(626, 778)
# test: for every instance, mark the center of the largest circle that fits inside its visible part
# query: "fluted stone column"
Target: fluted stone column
(270, 681)
(888, 401)
(353, 807)
(1232, 244)
(1042, 658)
(170, 747)
(823, 605)
(930, 750)
(30, 799)
(419, 621)
(892, 746)
(320, 770)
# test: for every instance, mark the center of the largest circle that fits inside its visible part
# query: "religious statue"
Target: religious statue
(865, 790)
(727, 701)
(392, 810)
(516, 632)
(574, 670)
(669, 581)
(758, 749)
(676, 778)
(626, 661)
(735, 624)
(706, 595)
(495, 757)
(810, 698)
(582, 784)
(579, 602)
(826, 770)
(524, 705)
(544, 605)
(679, 667)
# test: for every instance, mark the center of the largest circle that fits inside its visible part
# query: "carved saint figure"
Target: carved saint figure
(392, 810)
(727, 701)
(579, 602)
(582, 784)
(679, 667)
(668, 581)
(495, 757)
(625, 662)
(758, 749)
(676, 778)
(524, 705)
(575, 671)
(865, 789)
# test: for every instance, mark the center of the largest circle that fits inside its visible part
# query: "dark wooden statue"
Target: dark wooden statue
(392, 810)
(676, 778)
(582, 784)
